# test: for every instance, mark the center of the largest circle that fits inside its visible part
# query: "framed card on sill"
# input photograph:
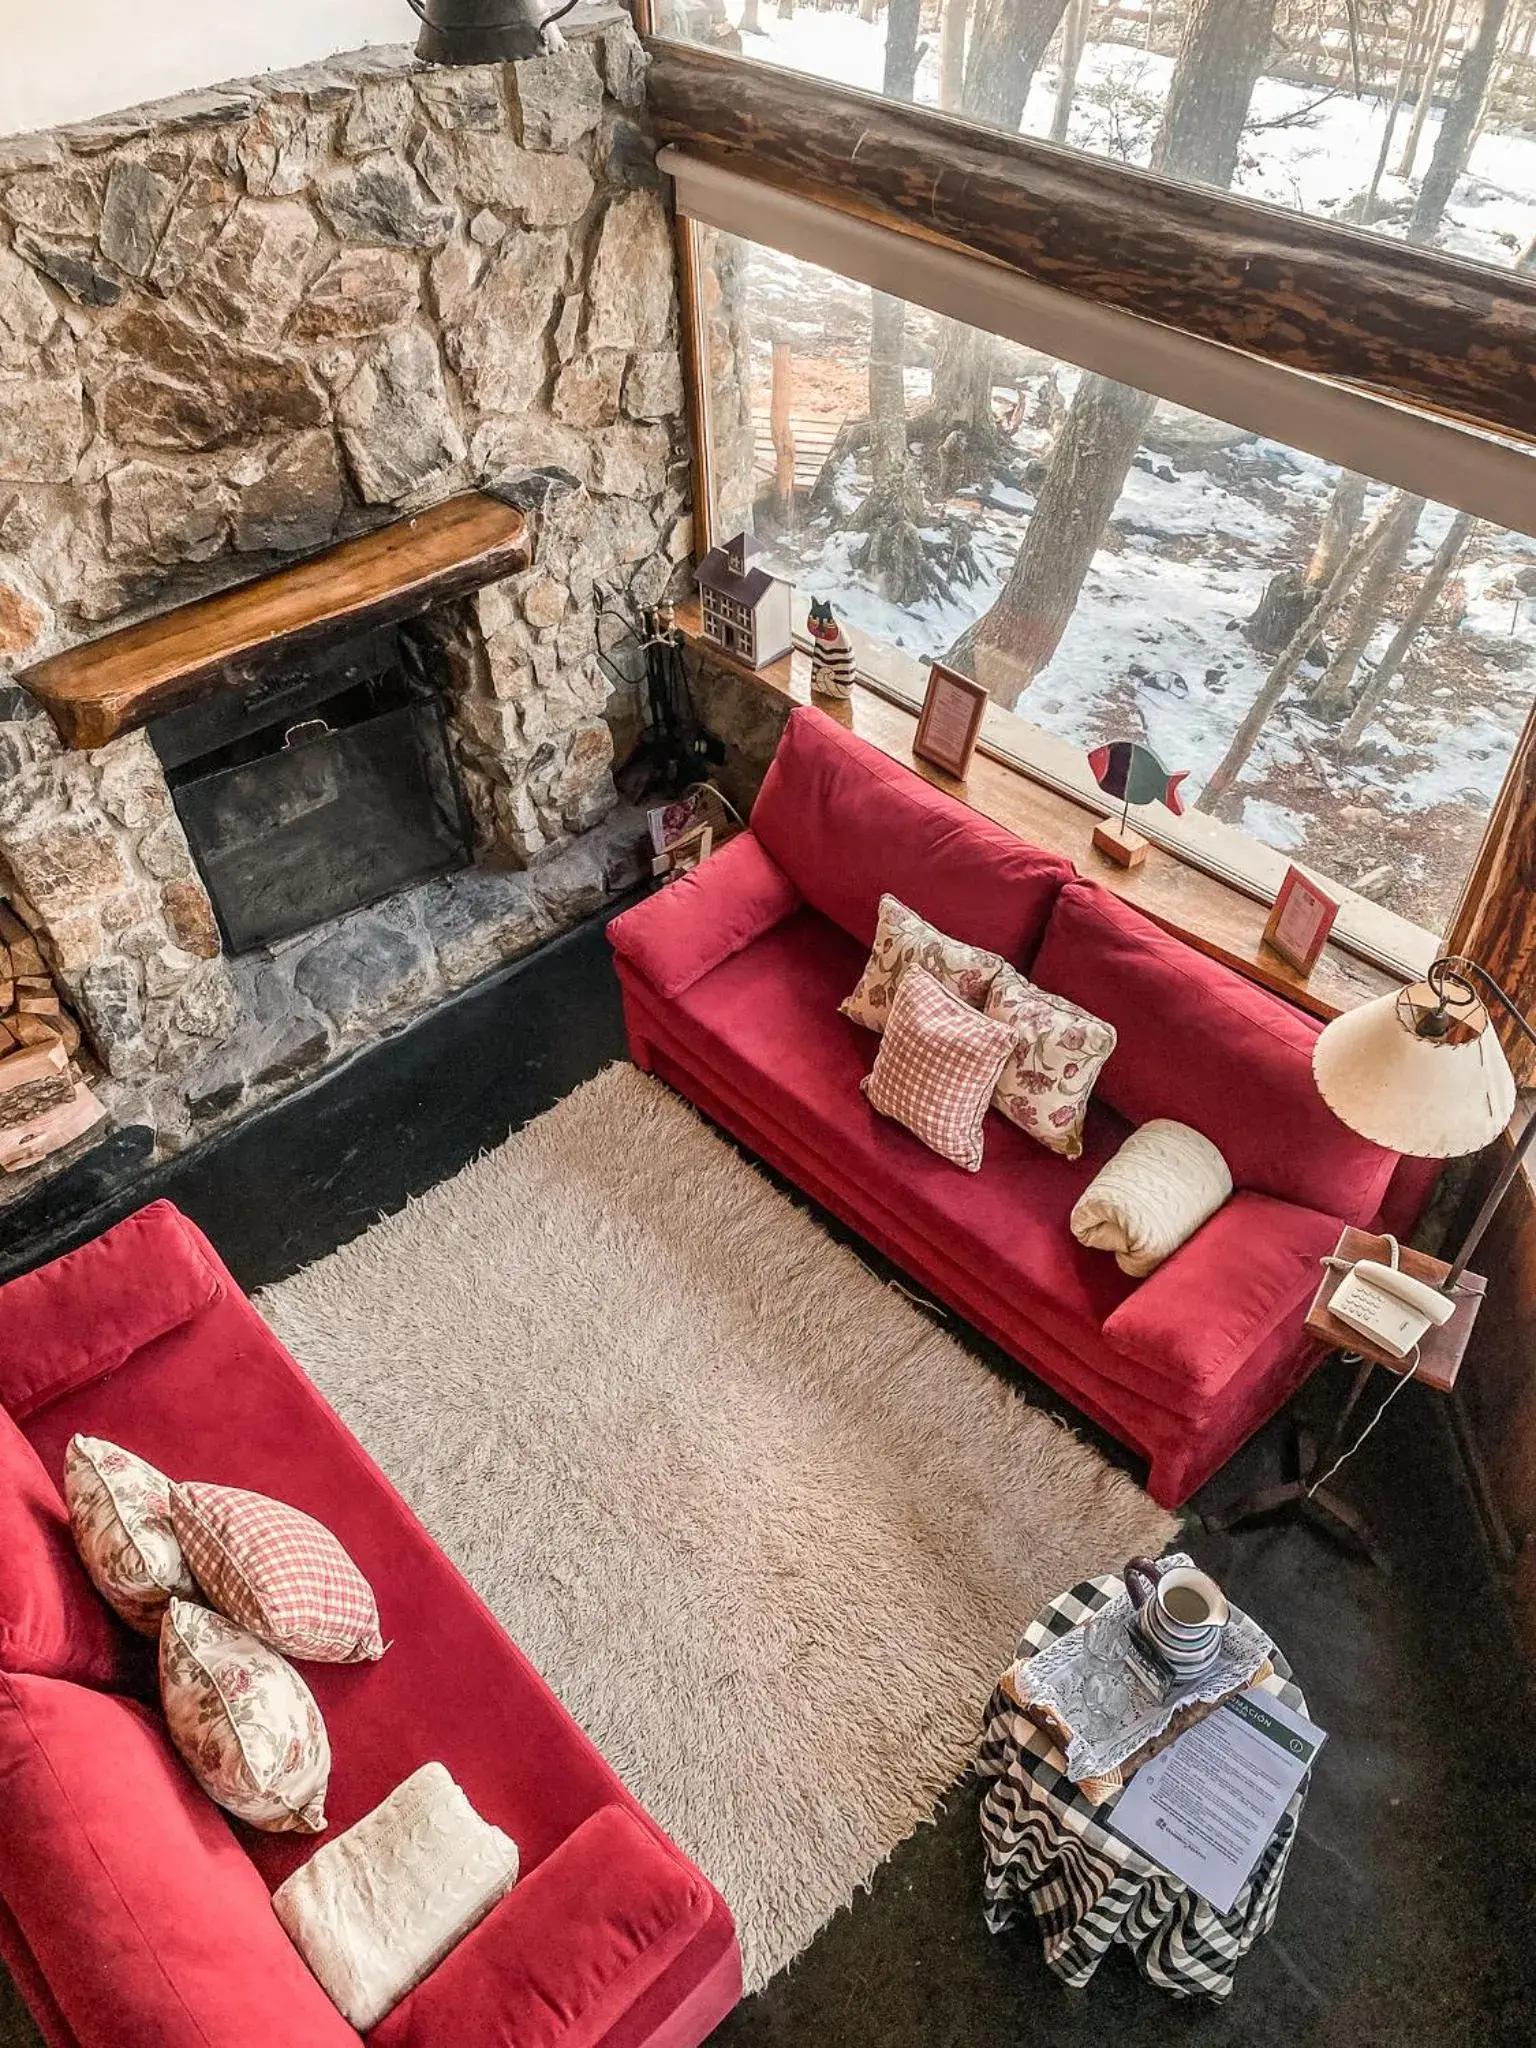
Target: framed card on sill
(951, 722)
(1301, 920)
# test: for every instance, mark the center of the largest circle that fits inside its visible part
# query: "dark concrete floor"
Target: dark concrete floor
(1409, 1910)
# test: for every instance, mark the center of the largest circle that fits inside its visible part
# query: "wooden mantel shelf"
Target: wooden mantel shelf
(108, 686)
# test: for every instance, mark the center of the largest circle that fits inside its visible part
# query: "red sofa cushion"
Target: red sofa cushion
(53, 1622)
(130, 1891)
(566, 1951)
(1202, 1045)
(766, 1023)
(846, 824)
(1203, 1314)
(82, 1315)
(705, 916)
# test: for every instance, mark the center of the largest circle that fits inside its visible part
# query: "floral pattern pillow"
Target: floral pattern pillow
(120, 1516)
(903, 939)
(245, 1723)
(1045, 1086)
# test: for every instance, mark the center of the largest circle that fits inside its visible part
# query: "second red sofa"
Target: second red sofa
(732, 979)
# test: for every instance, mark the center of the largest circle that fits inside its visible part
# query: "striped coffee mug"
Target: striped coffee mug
(1180, 1613)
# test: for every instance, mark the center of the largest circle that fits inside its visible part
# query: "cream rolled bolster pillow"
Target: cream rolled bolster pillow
(1163, 1183)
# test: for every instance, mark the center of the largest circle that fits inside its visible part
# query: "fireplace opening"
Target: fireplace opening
(324, 786)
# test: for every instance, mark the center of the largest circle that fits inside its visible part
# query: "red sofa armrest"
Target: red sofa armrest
(84, 1315)
(1209, 1308)
(567, 1951)
(676, 936)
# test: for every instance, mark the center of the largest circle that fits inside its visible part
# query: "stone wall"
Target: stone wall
(243, 323)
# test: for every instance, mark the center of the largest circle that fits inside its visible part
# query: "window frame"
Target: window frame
(1360, 430)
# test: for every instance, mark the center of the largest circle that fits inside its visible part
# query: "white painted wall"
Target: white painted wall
(65, 60)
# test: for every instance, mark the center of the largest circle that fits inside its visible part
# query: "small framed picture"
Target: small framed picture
(1301, 920)
(952, 713)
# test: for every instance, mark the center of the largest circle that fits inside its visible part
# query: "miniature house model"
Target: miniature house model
(746, 611)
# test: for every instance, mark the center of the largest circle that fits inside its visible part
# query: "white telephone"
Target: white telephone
(1389, 1306)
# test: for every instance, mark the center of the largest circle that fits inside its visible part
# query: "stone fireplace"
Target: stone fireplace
(237, 328)
(326, 787)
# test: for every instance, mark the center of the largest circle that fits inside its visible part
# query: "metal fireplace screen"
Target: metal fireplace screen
(316, 790)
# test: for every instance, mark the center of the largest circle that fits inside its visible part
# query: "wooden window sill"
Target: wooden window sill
(1208, 913)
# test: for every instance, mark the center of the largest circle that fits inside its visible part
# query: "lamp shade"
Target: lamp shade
(1432, 1094)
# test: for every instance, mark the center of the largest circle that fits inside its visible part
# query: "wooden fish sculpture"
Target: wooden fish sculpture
(1132, 772)
(832, 655)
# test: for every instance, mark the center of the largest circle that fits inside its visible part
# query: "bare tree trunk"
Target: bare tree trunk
(952, 54)
(1432, 62)
(902, 20)
(1411, 47)
(786, 10)
(1074, 35)
(1007, 648)
(1436, 576)
(893, 555)
(1221, 55)
(1006, 48)
(1330, 697)
(1008, 45)
(1453, 145)
(782, 429)
(751, 25)
(1341, 522)
(1213, 798)
(1290, 596)
(887, 387)
(1495, 80)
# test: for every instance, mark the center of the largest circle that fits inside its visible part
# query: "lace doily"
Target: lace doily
(1058, 1678)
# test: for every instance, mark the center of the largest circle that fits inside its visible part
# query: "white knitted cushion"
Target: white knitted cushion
(376, 1910)
(1163, 1183)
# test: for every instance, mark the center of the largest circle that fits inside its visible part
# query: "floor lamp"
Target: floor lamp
(1420, 1072)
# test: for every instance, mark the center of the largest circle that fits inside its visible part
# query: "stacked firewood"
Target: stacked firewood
(31, 1012)
(43, 1102)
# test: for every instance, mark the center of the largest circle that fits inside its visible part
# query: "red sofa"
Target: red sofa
(133, 1913)
(731, 979)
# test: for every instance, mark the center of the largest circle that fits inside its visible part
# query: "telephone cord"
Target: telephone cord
(1410, 1366)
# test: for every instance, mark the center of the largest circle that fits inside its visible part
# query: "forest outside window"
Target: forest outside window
(1415, 119)
(1344, 667)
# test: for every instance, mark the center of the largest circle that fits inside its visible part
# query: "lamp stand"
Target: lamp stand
(1490, 1208)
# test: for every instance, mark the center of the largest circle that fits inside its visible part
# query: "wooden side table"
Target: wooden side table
(1440, 1353)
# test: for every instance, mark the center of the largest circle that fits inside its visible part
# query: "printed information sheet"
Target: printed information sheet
(1206, 1808)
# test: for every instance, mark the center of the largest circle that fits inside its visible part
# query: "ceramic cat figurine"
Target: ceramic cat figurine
(832, 658)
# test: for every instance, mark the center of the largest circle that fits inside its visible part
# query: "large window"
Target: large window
(1414, 118)
(1343, 667)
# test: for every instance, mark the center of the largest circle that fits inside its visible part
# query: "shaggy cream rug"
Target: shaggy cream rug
(768, 1532)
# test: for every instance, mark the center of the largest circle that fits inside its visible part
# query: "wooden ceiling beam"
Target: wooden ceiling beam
(1413, 324)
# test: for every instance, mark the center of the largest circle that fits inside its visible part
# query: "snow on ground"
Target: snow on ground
(1155, 649)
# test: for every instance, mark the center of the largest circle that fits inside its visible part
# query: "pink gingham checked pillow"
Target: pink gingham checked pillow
(278, 1573)
(937, 1066)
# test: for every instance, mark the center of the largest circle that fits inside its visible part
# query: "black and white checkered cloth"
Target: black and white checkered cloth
(1052, 1850)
